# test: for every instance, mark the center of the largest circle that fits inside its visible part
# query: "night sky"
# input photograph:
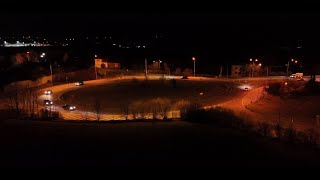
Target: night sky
(230, 36)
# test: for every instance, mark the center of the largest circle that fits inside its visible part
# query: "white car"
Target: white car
(47, 102)
(48, 92)
(69, 107)
(79, 83)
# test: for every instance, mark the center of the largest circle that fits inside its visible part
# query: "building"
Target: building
(104, 64)
(236, 71)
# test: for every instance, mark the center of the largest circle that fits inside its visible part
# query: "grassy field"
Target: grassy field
(122, 92)
(142, 144)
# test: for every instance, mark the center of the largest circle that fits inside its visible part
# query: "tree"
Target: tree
(20, 58)
(278, 130)
(125, 110)
(97, 107)
(137, 108)
(182, 106)
(177, 72)
(167, 68)
(65, 58)
(264, 129)
(187, 72)
(165, 107)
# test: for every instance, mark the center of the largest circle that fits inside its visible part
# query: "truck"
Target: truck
(297, 75)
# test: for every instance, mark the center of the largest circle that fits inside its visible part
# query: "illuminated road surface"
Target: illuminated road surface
(233, 99)
(81, 114)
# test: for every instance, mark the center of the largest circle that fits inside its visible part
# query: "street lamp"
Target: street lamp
(194, 66)
(288, 65)
(43, 56)
(51, 73)
(95, 66)
(252, 65)
(159, 61)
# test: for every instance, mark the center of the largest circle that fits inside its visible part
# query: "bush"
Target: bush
(216, 115)
(137, 109)
(290, 135)
(310, 137)
(135, 80)
(182, 106)
(274, 89)
(278, 130)
(312, 87)
(264, 129)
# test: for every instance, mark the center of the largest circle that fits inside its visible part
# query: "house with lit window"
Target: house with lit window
(236, 71)
(106, 64)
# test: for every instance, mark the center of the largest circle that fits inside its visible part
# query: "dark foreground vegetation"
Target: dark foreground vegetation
(212, 138)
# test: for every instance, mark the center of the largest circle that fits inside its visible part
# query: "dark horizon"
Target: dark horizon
(233, 37)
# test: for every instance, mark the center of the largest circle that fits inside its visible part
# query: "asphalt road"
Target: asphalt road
(232, 98)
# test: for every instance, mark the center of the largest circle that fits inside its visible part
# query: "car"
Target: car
(246, 89)
(185, 77)
(79, 83)
(48, 92)
(293, 76)
(69, 107)
(47, 102)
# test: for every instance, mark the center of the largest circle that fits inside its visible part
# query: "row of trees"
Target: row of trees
(24, 104)
(157, 108)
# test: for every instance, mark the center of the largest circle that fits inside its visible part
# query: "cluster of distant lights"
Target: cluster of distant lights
(23, 44)
(120, 46)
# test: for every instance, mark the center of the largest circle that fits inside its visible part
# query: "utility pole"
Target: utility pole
(95, 69)
(51, 74)
(194, 66)
(95, 66)
(146, 67)
(227, 71)
(288, 68)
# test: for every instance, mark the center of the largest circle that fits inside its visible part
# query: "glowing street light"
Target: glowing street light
(288, 65)
(194, 66)
(252, 65)
(159, 62)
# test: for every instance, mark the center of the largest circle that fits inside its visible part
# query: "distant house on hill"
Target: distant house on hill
(236, 71)
(105, 64)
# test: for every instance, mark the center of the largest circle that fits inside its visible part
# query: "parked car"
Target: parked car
(47, 102)
(48, 92)
(79, 83)
(185, 77)
(68, 107)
